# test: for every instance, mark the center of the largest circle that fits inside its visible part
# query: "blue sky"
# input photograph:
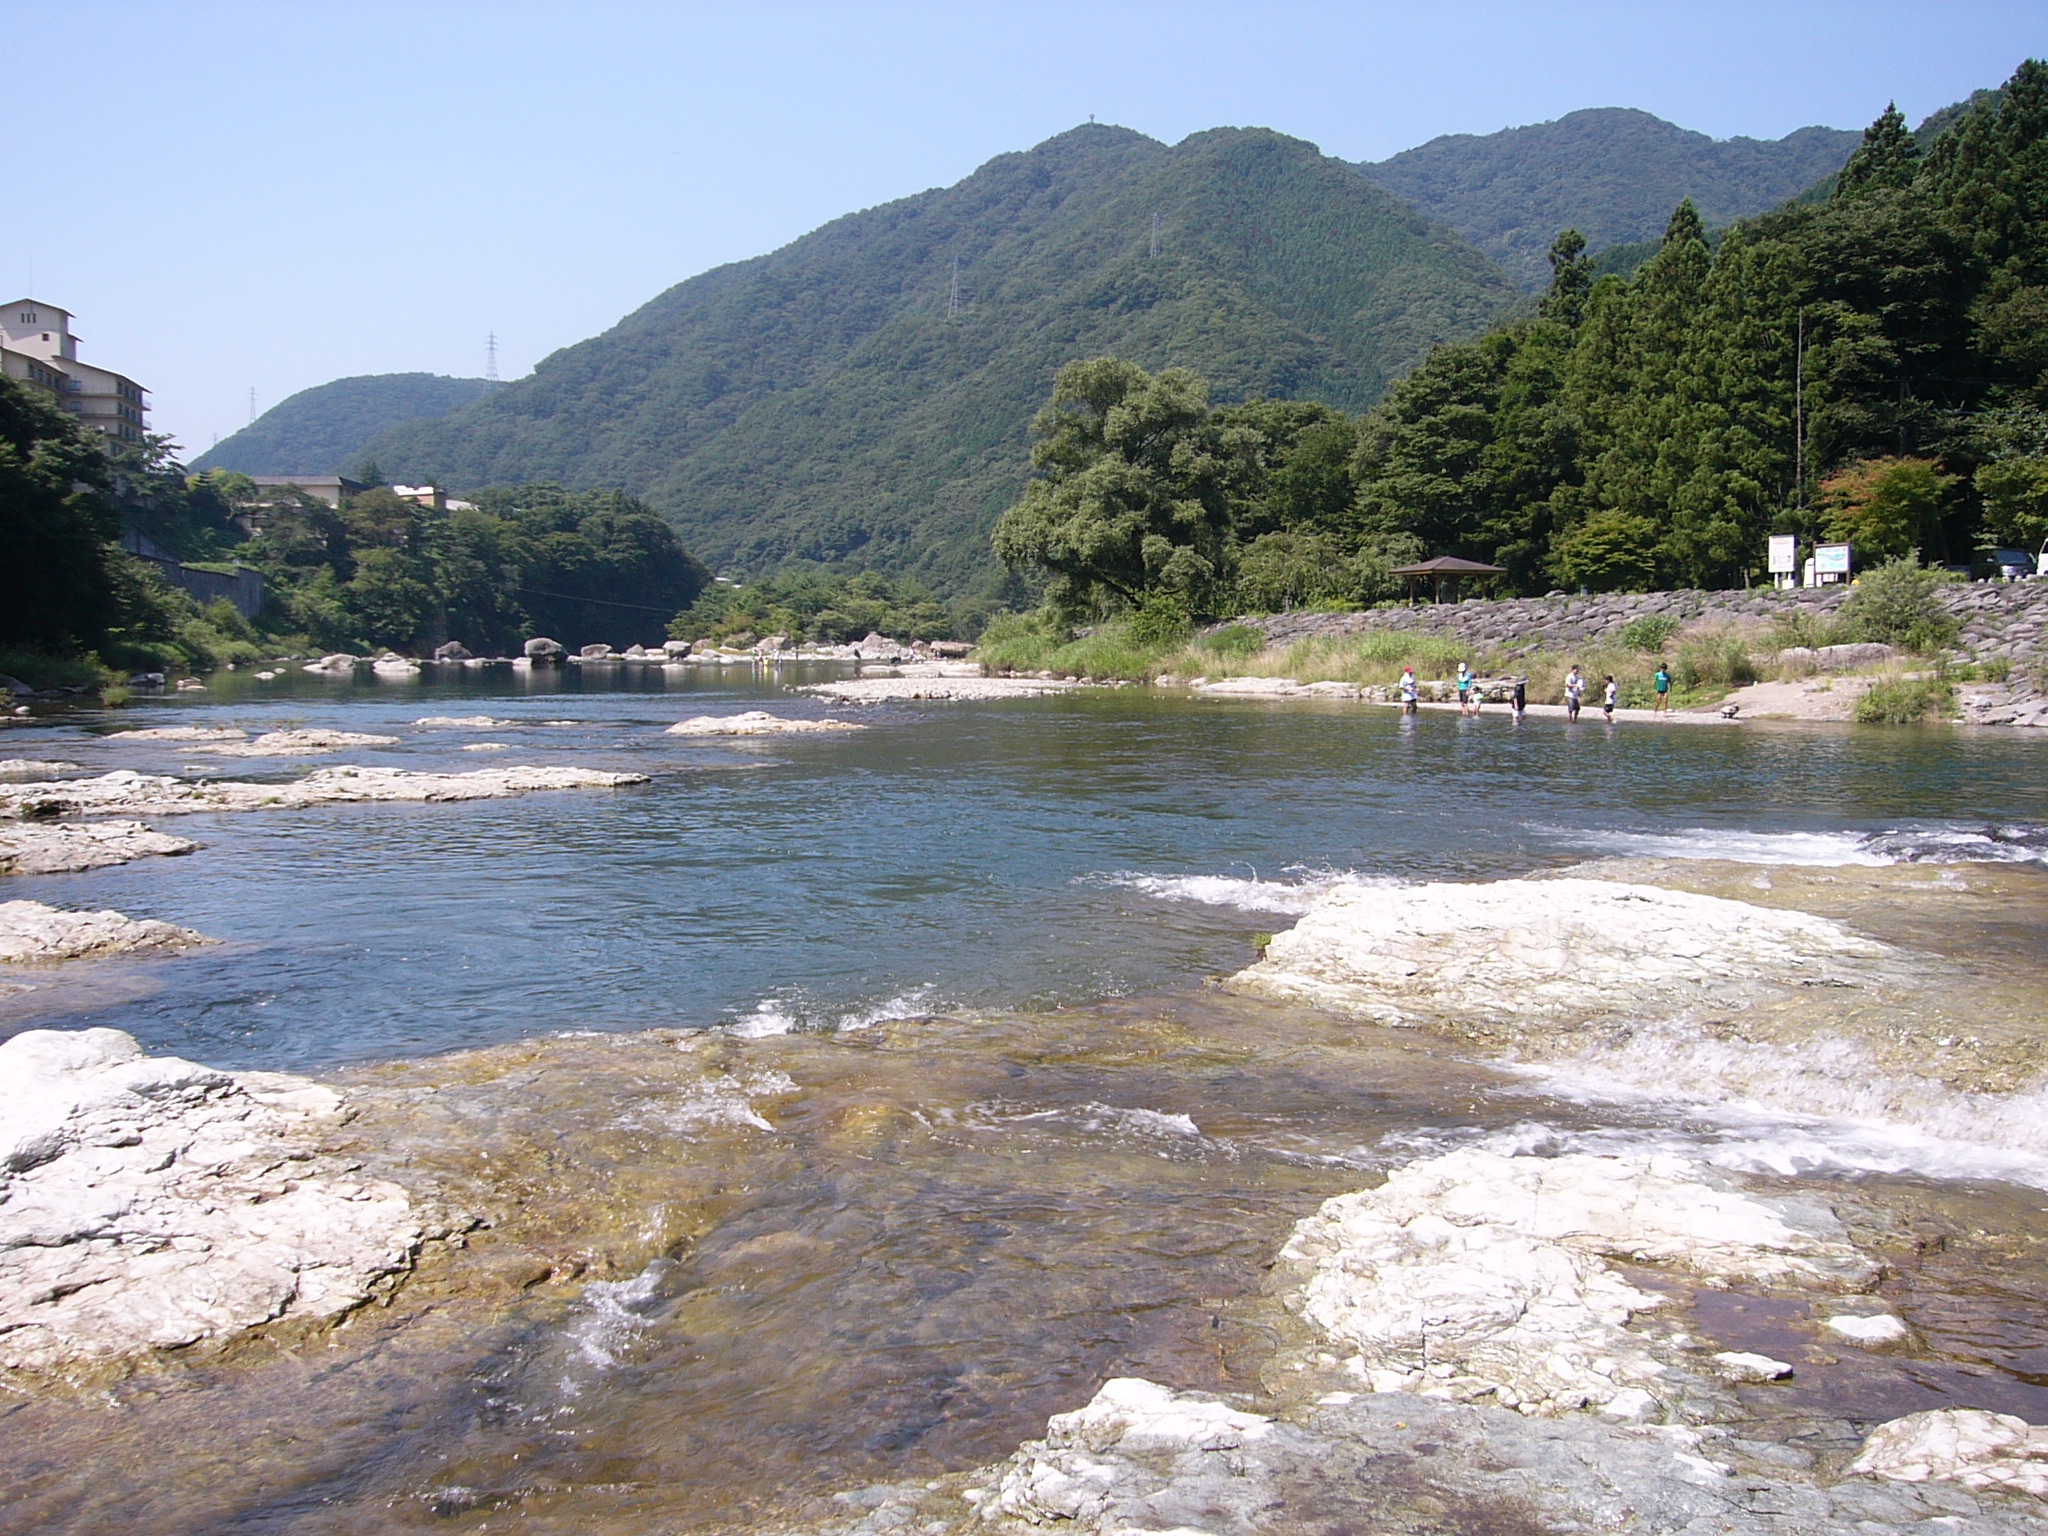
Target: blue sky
(277, 194)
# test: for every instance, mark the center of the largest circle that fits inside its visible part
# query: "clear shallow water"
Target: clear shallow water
(730, 1273)
(951, 856)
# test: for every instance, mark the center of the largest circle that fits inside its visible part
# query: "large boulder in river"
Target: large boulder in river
(595, 653)
(543, 652)
(676, 650)
(453, 650)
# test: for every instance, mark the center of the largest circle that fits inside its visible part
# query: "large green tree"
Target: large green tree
(1132, 490)
(57, 527)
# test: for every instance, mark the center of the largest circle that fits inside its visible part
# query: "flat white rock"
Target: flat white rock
(181, 733)
(1477, 1274)
(140, 794)
(756, 722)
(149, 1202)
(1959, 1445)
(1066, 1477)
(21, 769)
(461, 723)
(1881, 1328)
(31, 932)
(874, 690)
(1530, 948)
(63, 847)
(298, 744)
(1742, 1366)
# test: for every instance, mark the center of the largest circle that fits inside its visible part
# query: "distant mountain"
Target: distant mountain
(1612, 173)
(322, 431)
(863, 395)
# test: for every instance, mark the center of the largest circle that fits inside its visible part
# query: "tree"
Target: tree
(2015, 493)
(1886, 508)
(1610, 551)
(1132, 489)
(1571, 279)
(56, 526)
(1887, 157)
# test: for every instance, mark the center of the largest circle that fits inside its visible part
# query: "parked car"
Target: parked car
(2018, 564)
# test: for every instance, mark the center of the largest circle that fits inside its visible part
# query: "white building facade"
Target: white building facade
(38, 348)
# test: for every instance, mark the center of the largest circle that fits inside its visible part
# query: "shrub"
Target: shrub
(1019, 642)
(1232, 640)
(1162, 621)
(1899, 603)
(1649, 632)
(41, 669)
(1718, 661)
(1906, 700)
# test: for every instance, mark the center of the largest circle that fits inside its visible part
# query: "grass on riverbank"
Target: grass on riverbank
(1907, 698)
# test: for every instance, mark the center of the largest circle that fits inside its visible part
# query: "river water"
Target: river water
(842, 1105)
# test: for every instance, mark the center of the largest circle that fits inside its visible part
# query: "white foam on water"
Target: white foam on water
(1117, 1122)
(1927, 843)
(719, 1102)
(800, 1014)
(1292, 897)
(768, 1018)
(609, 1315)
(907, 1005)
(1824, 1107)
(1821, 849)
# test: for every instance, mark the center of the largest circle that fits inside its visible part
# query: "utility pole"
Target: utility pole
(491, 358)
(1155, 236)
(953, 303)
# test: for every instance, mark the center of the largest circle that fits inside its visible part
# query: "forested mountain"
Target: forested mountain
(322, 431)
(842, 400)
(1612, 173)
(1872, 369)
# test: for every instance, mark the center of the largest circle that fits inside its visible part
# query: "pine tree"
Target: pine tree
(1887, 157)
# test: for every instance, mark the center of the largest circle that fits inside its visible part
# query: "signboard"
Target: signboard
(1784, 554)
(1831, 559)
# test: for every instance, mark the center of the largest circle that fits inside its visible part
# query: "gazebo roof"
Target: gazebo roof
(1449, 565)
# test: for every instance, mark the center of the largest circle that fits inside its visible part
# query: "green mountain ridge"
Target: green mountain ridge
(323, 430)
(1612, 173)
(831, 402)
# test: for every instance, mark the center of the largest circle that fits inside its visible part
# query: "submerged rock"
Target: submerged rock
(1529, 948)
(140, 794)
(298, 743)
(461, 723)
(1959, 1445)
(151, 1203)
(1477, 1275)
(21, 769)
(32, 932)
(63, 848)
(756, 722)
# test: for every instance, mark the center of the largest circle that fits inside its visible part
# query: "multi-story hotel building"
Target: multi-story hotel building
(38, 348)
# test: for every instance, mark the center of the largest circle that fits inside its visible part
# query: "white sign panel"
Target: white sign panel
(1831, 559)
(1784, 554)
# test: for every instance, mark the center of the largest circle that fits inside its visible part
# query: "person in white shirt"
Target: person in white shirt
(1574, 692)
(1610, 697)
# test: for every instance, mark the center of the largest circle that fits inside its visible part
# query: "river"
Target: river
(842, 1105)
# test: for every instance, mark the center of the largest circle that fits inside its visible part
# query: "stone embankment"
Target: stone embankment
(1998, 619)
(148, 1203)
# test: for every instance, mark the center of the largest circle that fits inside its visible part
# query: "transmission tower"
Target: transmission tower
(953, 303)
(252, 405)
(491, 358)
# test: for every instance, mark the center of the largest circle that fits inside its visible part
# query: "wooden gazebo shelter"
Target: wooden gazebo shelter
(1448, 570)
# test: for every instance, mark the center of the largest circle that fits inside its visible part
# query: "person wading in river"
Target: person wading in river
(1610, 697)
(1520, 701)
(1574, 692)
(1663, 683)
(1409, 692)
(1464, 686)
